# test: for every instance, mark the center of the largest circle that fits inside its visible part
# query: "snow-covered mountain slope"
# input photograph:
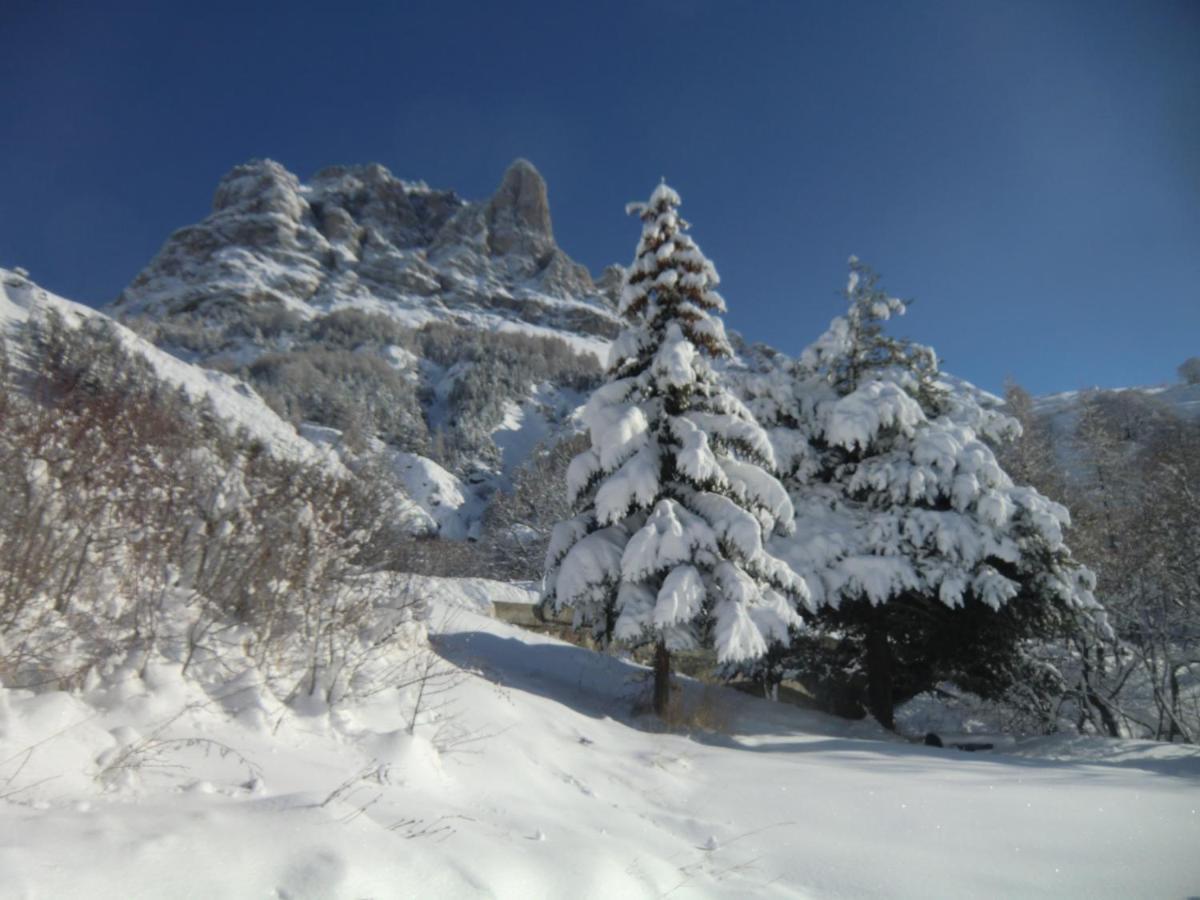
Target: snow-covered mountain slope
(1180, 399)
(433, 501)
(547, 786)
(449, 503)
(357, 236)
(307, 289)
(437, 502)
(1133, 415)
(233, 400)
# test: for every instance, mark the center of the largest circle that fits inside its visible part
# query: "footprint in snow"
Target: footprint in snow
(577, 784)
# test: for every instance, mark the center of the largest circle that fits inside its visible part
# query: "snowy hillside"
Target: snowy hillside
(1061, 411)
(532, 778)
(233, 400)
(455, 331)
(434, 500)
(1133, 415)
(1182, 399)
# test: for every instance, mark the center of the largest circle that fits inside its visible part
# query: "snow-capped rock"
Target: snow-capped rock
(277, 256)
(357, 235)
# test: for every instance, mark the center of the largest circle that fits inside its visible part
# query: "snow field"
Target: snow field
(155, 785)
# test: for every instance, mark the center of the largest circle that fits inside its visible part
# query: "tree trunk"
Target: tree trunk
(879, 672)
(662, 679)
(1092, 696)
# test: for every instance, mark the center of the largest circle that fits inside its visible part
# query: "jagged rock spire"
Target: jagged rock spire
(519, 211)
(259, 186)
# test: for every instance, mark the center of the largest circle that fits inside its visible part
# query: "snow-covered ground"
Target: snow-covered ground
(526, 426)
(447, 502)
(531, 777)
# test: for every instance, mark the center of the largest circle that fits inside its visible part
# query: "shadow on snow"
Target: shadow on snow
(601, 686)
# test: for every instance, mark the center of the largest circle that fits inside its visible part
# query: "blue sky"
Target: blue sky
(1028, 172)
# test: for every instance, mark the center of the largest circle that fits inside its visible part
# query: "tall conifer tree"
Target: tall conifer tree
(674, 501)
(927, 562)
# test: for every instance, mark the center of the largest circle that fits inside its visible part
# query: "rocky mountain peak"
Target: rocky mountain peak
(357, 235)
(512, 230)
(346, 200)
(518, 215)
(257, 187)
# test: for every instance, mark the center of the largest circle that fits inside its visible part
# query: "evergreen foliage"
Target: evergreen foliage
(673, 499)
(928, 562)
(1189, 370)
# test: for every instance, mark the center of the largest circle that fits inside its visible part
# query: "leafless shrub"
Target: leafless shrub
(155, 751)
(1130, 485)
(121, 500)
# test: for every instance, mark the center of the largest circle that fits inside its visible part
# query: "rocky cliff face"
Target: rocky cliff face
(315, 292)
(357, 235)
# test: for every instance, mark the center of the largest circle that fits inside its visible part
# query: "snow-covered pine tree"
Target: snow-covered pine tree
(926, 562)
(673, 499)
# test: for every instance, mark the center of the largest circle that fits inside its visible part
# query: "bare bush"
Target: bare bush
(125, 506)
(1136, 514)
